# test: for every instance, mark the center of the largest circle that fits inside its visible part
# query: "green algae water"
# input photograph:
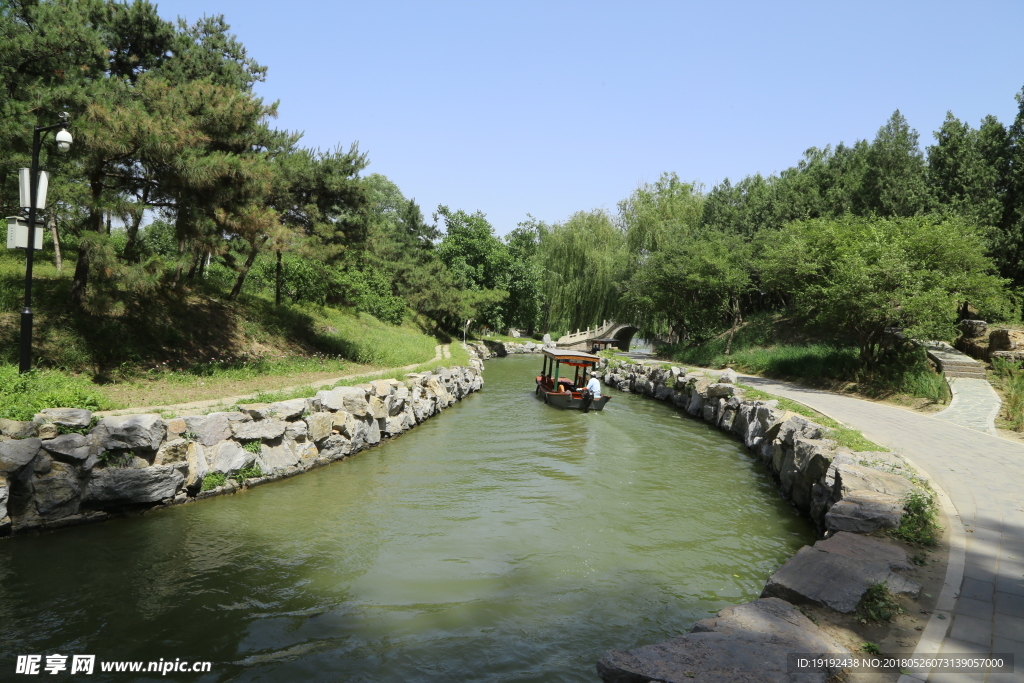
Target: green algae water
(503, 540)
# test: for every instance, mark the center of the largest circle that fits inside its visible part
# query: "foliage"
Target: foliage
(863, 277)
(122, 459)
(691, 287)
(870, 648)
(251, 472)
(478, 261)
(1010, 377)
(213, 480)
(582, 262)
(24, 395)
(918, 526)
(658, 215)
(255, 446)
(878, 604)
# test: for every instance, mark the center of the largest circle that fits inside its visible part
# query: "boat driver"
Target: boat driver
(594, 387)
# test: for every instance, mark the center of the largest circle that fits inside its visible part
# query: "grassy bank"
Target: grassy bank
(773, 346)
(1009, 379)
(188, 345)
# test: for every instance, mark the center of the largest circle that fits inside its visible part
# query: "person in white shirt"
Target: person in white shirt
(594, 387)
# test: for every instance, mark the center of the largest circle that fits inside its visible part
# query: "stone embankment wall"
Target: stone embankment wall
(502, 349)
(63, 467)
(986, 344)
(847, 494)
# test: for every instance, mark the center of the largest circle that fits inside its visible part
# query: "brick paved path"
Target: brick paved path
(983, 476)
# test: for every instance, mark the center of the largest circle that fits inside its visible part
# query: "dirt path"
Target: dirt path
(441, 351)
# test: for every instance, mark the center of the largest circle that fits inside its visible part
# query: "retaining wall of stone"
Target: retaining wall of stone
(64, 467)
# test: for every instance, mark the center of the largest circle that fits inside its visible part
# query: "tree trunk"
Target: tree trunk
(277, 280)
(736, 319)
(94, 224)
(58, 261)
(81, 279)
(253, 253)
(131, 247)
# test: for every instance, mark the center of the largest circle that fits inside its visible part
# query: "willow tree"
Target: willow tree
(659, 214)
(583, 262)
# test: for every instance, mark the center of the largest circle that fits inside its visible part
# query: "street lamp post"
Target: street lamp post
(63, 139)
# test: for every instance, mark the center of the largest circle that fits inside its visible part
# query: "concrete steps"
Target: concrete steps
(953, 363)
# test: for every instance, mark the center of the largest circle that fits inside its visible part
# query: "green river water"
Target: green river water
(503, 540)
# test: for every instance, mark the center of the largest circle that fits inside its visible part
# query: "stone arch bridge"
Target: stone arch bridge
(583, 340)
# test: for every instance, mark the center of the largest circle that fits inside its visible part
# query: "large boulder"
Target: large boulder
(351, 399)
(72, 418)
(864, 512)
(15, 454)
(276, 458)
(211, 429)
(172, 451)
(56, 493)
(835, 574)
(852, 477)
(319, 426)
(747, 643)
(287, 410)
(72, 448)
(131, 432)
(260, 430)
(17, 429)
(1006, 340)
(118, 486)
(198, 466)
(336, 447)
(228, 457)
(721, 389)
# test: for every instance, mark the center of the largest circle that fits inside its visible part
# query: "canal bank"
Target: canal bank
(504, 541)
(848, 495)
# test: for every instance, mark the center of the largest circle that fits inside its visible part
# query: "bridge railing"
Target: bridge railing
(583, 335)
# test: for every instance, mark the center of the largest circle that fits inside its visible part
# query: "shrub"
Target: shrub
(878, 604)
(246, 473)
(918, 525)
(213, 480)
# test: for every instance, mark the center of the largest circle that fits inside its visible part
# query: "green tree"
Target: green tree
(583, 262)
(478, 261)
(862, 276)
(895, 180)
(692, 288)
(966, 169)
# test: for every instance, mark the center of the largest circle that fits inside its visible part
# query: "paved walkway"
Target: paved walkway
(975, 404)
(981, 610)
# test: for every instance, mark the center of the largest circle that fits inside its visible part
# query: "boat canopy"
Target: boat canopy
(578, 358)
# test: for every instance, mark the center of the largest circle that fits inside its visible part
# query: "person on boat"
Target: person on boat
(594, 387)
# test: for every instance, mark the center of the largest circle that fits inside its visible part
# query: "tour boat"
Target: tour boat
(562, 392)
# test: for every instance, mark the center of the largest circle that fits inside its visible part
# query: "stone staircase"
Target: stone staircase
(953, 363)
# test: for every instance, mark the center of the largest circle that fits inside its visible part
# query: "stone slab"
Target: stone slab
(817, 577)
(745, 643)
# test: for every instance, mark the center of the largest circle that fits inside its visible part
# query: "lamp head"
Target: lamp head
(63, 140)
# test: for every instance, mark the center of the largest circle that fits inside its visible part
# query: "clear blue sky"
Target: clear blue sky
(549, 108)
